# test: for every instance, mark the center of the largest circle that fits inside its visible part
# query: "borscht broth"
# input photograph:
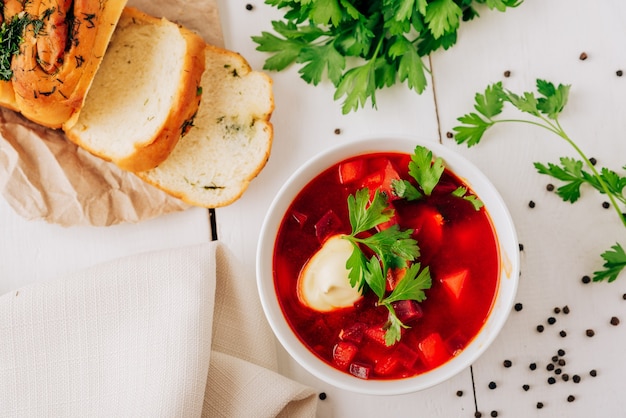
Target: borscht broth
(457, 242)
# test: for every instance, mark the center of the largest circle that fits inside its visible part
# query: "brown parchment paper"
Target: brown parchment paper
(44, 176)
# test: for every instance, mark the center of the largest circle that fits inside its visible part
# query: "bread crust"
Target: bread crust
(52, 93)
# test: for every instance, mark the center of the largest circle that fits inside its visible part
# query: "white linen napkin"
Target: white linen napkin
(176, 333)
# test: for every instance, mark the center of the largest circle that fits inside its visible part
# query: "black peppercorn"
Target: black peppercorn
(531, 204)
(606, 205)
(576, 378)
(563, 334)
(249, 6)
(539, 405)
(494, 413)
(539, 328)
(614, 321)
(551, 320)
(557, 371)
(585, 279)
(561, 352)
(571, 398)
(565, 309)
(478, 414)
(565, 377)
(583, 56)
(550, 367)
(557, 310)
(593, 373)
(550, 187)
(492, 385)
(337, 131)
(507, 363)
(593, 161)
(555, 359)
(521, 248)
(322, 396)
(619, 73)
(551, 380)
(525, 387)
(533, 366)
(590, 333)
(561, 362)
(449, 135)
(507, 73)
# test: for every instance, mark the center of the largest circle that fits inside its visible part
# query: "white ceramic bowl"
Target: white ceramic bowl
(507, 286)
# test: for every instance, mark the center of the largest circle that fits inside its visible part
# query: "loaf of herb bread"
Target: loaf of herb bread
(61, 48)
(231, 137)
(145, 94)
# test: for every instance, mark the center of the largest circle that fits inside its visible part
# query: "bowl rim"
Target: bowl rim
(507, 285)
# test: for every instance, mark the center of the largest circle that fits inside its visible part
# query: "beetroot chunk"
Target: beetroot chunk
(353, 333)
(329, 224)
(407, 311)
(360, 370)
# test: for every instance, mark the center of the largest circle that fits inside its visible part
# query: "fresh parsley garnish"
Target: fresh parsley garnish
(391, 248)
(365, 45)
(545, 109)
(11, 36)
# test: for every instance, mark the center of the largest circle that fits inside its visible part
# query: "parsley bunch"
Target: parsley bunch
(546, 110)
(365, 45)
(392, 248)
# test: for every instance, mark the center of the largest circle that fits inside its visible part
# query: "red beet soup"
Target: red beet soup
(457, 242)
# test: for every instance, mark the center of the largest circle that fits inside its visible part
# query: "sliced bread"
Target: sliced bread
(61, 51)
(145, 94)
(231, 138)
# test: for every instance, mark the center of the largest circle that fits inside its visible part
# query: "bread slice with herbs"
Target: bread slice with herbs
(231, 137)
(145, 94)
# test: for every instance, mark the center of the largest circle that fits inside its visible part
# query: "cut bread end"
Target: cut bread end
(145, 94)
(231, 138)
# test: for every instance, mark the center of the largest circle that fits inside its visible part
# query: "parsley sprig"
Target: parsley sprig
(545, 110)
(392, 248)
(365, 45)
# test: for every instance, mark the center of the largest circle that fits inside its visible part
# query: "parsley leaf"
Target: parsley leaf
(381, 41)
(615, 261)
(545, 110)
(364, 217)
(425, 170)
(462, 192)
(412, 285)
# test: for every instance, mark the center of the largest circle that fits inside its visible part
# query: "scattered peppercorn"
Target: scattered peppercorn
(551, 380)
(576, 378)
(518, 307)
(583, 56)
(478, 414)
(249, 6)
(337, 131)
(565, 377)
(565, 309)
(593, 161)
(525, 387)
(459, 393)
(557, 371)
(593, 373)
(492, 385)
(550, 187)
(585, 279)
(571, 398)
(561, 362)
(449, 135)
(533, 366)
(563, 334)
(539, 328)
(619, 73)
(624, 296)
(615, 321)
(550, 367)
(539, 405)
(322, 396)
(507, 363)
(557, 310)
(521, 248)
(590, 333)
(507, 73)
(494, 413)
(606, 205)
(531, 204)
(555, 359)
(551, 320)
(561, 352)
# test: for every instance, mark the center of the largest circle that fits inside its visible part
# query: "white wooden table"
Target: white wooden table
(561, 242)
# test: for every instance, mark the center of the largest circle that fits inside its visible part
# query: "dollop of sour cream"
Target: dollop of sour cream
(323, 284)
